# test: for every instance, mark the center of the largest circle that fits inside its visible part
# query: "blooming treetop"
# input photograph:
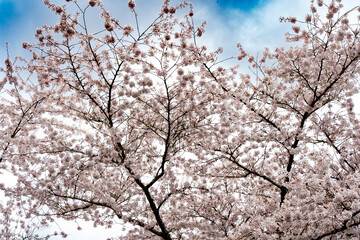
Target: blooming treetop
(145, 127)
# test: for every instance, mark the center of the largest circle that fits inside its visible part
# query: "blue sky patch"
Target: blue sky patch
(7, 12)
(242, 5)
(18, 18)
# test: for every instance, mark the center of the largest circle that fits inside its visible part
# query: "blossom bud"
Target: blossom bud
(330, 15)
(292, 20)
(296, 29)
(251, 59)
(172, 10)
(58, 9)
(109, 39)
(199, 32)
(180, 71)
(109, 26)
(131, 4)
(127, 30)
(92, 3)
(166, 9)
(26, 45)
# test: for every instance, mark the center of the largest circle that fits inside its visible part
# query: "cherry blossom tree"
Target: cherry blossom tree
(143, 126)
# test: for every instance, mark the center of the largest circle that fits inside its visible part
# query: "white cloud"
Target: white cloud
(255, 29)
(88, 231)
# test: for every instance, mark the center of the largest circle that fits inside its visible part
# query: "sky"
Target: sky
(228, 21)
(253, 23)
(245, 5)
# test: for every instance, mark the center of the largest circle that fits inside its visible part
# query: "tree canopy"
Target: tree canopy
(145, 126)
